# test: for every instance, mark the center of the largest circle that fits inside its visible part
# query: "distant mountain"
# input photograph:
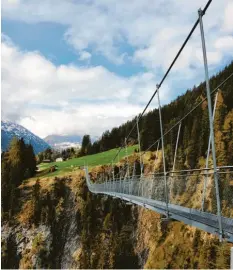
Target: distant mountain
(10, 130)
(60, 142)
(64, 141)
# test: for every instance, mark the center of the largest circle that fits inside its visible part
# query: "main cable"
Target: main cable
(166, 74)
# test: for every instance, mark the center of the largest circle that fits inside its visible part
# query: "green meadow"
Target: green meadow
(90, 160)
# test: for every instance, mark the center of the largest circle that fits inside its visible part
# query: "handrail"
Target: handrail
(170, 174)
(189, 170)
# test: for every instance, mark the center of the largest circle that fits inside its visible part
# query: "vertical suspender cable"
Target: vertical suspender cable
(164, 162)
(127, 158)
(207, 159)
(139, 146)
(174, 161)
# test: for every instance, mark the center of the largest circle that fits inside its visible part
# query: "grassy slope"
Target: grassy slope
(90, 160)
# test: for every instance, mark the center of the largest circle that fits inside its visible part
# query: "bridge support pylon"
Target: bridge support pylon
(200, 13)
(164, 161)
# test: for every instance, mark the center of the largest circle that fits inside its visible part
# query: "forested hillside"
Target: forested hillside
(193, 142)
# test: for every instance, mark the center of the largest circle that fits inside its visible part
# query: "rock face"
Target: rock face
(10, 130)
(71, 236)
(77, 229)
(44, 246)
(22, 241)
(68, 227)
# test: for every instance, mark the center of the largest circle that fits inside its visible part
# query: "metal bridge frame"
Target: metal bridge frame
(194, 217)
(200, 13)
(215, 224)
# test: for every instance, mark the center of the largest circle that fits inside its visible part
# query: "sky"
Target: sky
(82, 67)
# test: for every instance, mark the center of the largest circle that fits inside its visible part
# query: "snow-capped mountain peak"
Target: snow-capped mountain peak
(10, 130)
(61, 142)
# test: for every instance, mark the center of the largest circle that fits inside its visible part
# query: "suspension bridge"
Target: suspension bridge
(183, 195)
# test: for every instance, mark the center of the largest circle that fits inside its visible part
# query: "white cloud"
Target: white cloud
(152, 27)
(84, 55)
(228, 18)
(225, 43)
(68, 99)
(91, 99)
(92, 119)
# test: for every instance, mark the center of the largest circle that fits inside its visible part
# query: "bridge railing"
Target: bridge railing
(184, 188)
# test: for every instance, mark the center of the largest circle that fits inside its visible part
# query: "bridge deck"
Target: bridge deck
(149, 192)
(202, 220)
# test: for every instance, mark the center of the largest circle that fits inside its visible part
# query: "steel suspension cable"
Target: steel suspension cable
(166, 74)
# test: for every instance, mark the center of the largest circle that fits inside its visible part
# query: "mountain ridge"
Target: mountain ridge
(10, 130)
(61, 142)
(66, 141)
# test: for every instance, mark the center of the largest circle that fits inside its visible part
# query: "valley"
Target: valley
(60, 224)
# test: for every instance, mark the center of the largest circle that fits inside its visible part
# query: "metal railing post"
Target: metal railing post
(124, 182)
(200, 13)
(142, 185)
(207, 158)
(174, 161)
(133, 170)
(127, 158)
(139, 182)
(177, 141)
(152, 185)
(157, 148)
(156, 154)
(164, 164)
(133, 178)
(120, 179)
(139, 145)
(113, 171)
(111, 183)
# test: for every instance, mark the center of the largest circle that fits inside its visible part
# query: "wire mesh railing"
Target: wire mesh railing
(184, 188)
(208, 191)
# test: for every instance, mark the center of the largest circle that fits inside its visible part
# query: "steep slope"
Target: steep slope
(62, 225)
(195, 128)
(10, 130)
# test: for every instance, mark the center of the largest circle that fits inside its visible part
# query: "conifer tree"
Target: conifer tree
(86, 145)
(17, 164)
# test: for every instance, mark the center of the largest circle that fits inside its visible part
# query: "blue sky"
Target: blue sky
(92, 65)
(48, 39)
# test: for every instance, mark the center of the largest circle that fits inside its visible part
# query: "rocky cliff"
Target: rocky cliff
(62, 225)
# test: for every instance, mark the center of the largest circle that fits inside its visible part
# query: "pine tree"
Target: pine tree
(30, 161)
(86, 145)
(17, 164)
(16, 160)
